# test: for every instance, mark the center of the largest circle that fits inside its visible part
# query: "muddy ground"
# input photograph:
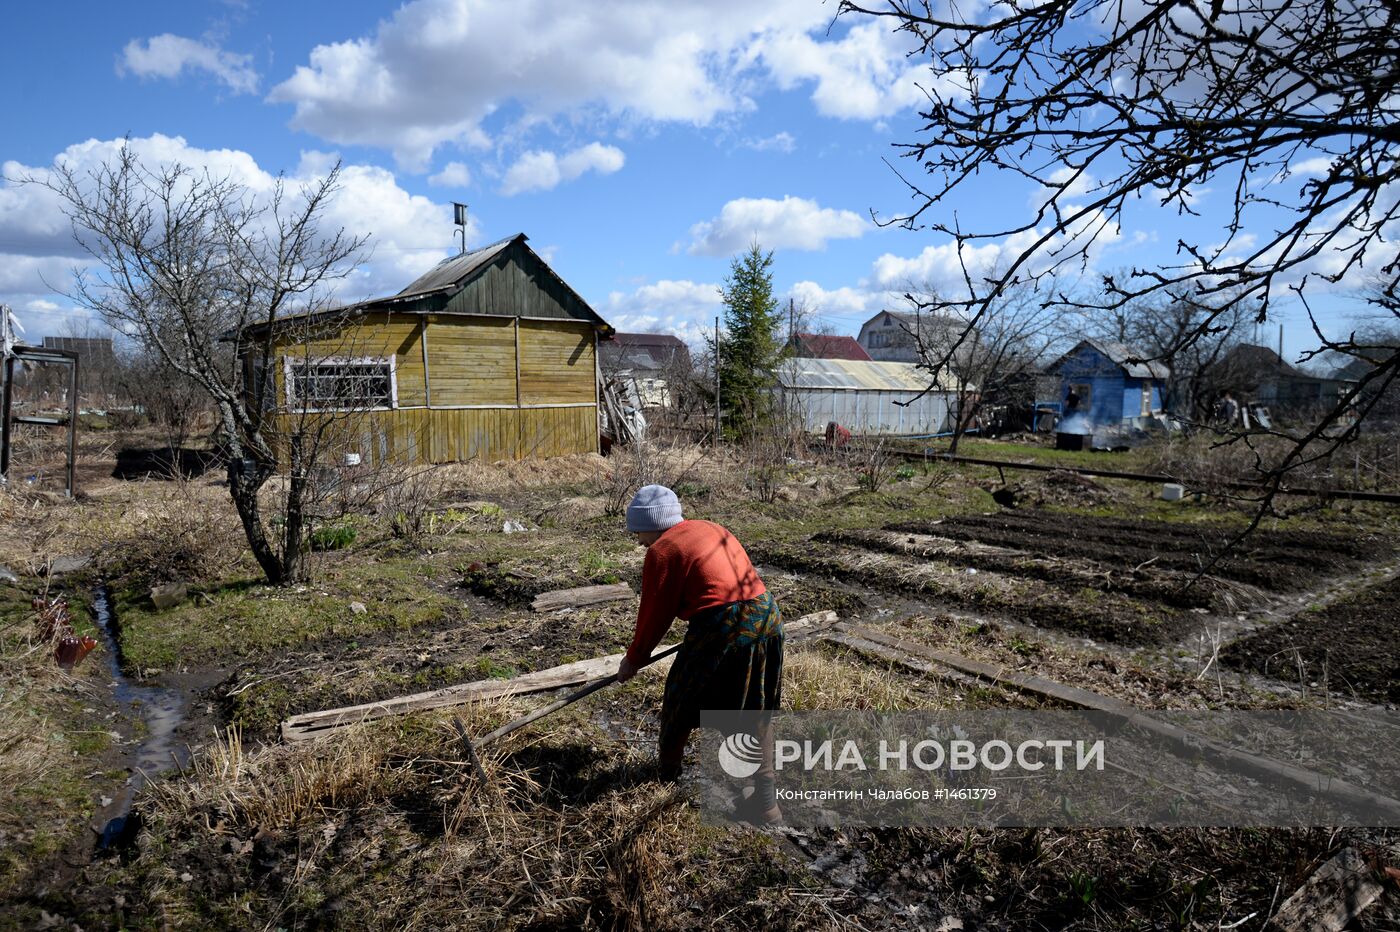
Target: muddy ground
(385, 827)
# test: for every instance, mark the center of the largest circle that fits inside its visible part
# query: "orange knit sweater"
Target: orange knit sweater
(693, 566)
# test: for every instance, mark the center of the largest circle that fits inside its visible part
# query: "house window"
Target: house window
(1146, 398)
(338, 384)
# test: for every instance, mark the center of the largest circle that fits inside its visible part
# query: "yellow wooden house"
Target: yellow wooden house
(490, 355)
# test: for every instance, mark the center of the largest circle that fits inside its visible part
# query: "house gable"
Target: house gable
(516, 282)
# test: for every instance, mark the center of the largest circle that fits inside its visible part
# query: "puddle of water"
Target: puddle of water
(162, 711)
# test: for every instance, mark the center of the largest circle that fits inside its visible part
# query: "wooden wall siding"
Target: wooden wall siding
(471, 361)
(418, 435)
(372, 335)
(518, 284)
(556, 363)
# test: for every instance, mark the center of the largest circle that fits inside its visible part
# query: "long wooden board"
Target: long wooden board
(577, 598)
(1253, 764)
(314, 724)
(1332, 897)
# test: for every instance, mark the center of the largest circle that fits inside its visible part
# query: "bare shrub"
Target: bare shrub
(407, 500)
(645, 462)
(767, 462)
(174, 538)
(873, 462)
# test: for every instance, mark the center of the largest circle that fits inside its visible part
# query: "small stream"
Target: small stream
(161, 710)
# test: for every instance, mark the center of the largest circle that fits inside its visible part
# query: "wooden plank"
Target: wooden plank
(314, 724)
(569, 674)
(1335, 894)
(1001, 676)
(579, 597)
(1253, 764)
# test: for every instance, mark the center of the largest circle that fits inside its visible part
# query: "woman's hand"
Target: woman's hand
(626, 669)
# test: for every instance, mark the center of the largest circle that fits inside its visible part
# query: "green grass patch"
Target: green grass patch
(243, 618)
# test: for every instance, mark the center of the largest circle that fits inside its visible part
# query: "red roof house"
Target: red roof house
(826, 346)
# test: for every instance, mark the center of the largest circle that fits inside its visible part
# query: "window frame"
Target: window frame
(290, 362)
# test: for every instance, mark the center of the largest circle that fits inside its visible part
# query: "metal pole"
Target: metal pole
(72, 422)
(717, 421)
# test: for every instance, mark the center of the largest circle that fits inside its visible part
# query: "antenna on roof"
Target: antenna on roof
(459, 217)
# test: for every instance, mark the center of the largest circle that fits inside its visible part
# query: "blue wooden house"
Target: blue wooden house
(1114, 383)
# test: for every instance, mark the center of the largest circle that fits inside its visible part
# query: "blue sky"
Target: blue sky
(638, 144)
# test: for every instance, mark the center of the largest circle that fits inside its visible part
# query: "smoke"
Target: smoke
(1076, 424)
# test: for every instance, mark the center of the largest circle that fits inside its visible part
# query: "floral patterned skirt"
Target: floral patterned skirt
(732, 658)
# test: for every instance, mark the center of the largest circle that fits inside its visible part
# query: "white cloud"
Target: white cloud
(409, 232)
(942, 266)
(778, 142)
(865, 75)
(437, 69)
(838, 305)
(542, 171)
(792, 223)
(684, 308)
(453, 175)
(168, 56)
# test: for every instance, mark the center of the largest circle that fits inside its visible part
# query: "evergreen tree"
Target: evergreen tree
(749, 350)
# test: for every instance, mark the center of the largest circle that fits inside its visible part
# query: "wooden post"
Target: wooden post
(516, 322)
(72, 422)
(6, 393)
(597, 394)
(423, 342)
(519, 445)
(717, 420)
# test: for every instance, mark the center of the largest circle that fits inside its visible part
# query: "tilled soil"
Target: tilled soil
(1108, 616)
(1353, 644)
(1272, 560)
(1070, 575)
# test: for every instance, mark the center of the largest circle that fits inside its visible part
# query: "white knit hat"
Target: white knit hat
(654, 508)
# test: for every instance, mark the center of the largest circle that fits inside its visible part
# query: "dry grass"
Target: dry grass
(814, 681)
(165, 531)
(385, 826)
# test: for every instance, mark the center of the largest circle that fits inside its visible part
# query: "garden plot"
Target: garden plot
(1128, 582)
(1072, 575)
(1110, 616)
(1274, 561)
(1349, 646)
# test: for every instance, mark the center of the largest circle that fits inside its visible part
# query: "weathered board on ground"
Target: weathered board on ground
(1253, 764)
(314, 724)
(577, 598)
(1337, 892)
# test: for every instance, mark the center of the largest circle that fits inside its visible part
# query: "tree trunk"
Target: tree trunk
(294, 527)
(244, 491)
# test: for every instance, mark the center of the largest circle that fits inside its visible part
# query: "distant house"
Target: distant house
(1258, 374)
(865, 397)
(1110, 385)
(489, 355)
(889, 336)
(647, 362)
(826, 346)
(643, 352)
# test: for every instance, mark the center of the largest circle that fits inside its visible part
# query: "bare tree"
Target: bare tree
(186, 263)
(1191, 338)
(170, 399)
(1099, 102)
(991, 364)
